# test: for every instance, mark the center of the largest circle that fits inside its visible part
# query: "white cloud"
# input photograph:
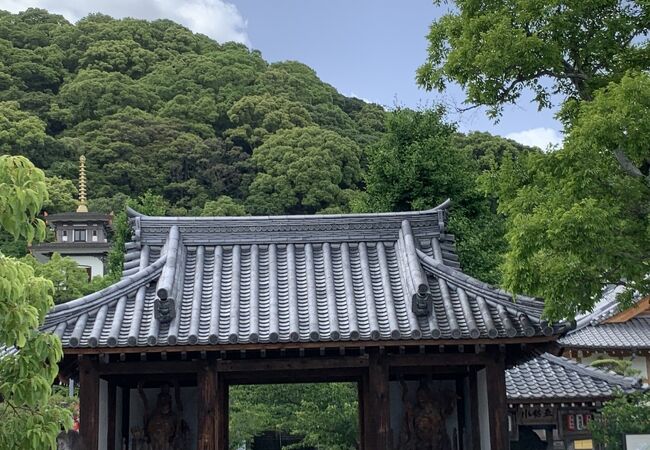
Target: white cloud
(215, 18)
(537, 137)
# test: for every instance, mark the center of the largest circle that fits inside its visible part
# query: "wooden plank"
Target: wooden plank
(111, 416)
(207, 407)
(376, 404)
(641, 307)
(292, 364)
(497, 404)
(89, 404)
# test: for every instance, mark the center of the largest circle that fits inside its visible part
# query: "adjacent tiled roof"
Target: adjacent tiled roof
(549, 378)
(293, 279)
(630, 335)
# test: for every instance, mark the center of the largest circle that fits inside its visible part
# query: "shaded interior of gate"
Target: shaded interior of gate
(405, 401)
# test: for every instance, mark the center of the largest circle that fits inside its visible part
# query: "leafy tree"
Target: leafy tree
(578, 219)
(620, 366)
(420, 162)
(223, 206)
(322, 414)
(625, 414)
(29, 420)
(61, 195)
(149, 204)
(303, 170)
(21, 133)
(496, 50)
(70, 281)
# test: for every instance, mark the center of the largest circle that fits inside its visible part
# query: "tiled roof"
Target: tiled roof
(549, 378)
(633, 334)
(293, 279)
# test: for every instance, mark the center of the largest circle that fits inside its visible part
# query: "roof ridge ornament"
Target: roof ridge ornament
(167, 288)
(419, 291)
(82, 208)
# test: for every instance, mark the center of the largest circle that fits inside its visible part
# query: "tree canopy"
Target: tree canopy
(569, 48)
(29, 420)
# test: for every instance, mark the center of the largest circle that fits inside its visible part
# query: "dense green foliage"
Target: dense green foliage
(421, 161)
(29, 419)
(157, 108)
(577, 219)
(625, 414)
(496, 50)
(325, 415)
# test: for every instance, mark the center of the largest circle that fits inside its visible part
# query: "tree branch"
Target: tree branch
(628, 166)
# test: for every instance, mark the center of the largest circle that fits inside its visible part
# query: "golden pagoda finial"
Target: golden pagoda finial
(82, 208)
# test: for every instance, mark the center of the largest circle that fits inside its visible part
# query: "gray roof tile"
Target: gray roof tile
(549, 378)
(293, 279)
(633, 334)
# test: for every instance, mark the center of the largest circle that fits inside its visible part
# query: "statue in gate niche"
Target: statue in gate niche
(164, 427)
(424, 422)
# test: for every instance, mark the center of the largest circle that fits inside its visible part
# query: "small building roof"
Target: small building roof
(606, 327)
(284, 279)
(78, 217)
(631, 335)
(548, 378)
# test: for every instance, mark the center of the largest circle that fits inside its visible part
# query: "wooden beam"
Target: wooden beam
(641, 307)
(439, 359)
(148, 368)
(89, 404)
(497, 403)
(292, 364)
(305, 345)
(222, 412)
(376, 404)
(207, 407)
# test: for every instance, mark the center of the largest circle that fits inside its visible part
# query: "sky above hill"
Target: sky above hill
(365, 48)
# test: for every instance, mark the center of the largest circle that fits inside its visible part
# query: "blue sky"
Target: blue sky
(366, 48)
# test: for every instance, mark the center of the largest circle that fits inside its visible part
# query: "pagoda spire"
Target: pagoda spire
(82, 208)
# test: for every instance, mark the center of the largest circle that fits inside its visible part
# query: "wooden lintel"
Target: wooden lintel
(307, 345)
(148, 368)
(440, 359)
(292, 364)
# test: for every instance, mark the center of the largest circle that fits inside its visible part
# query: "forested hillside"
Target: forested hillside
(180, 124)
(155, 107)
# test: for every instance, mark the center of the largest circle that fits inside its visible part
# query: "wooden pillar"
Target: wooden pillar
(207, 407)
(112, 413)
(89, 404)
(497, 404)
(223, 406)
(376, 404)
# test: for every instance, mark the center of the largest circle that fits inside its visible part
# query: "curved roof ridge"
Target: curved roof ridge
(105, 296)
(441, 207)
(523, 303)
(610, 377)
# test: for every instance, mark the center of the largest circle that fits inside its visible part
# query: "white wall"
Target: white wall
(188, 398)
(483, 409)
(96, 265)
